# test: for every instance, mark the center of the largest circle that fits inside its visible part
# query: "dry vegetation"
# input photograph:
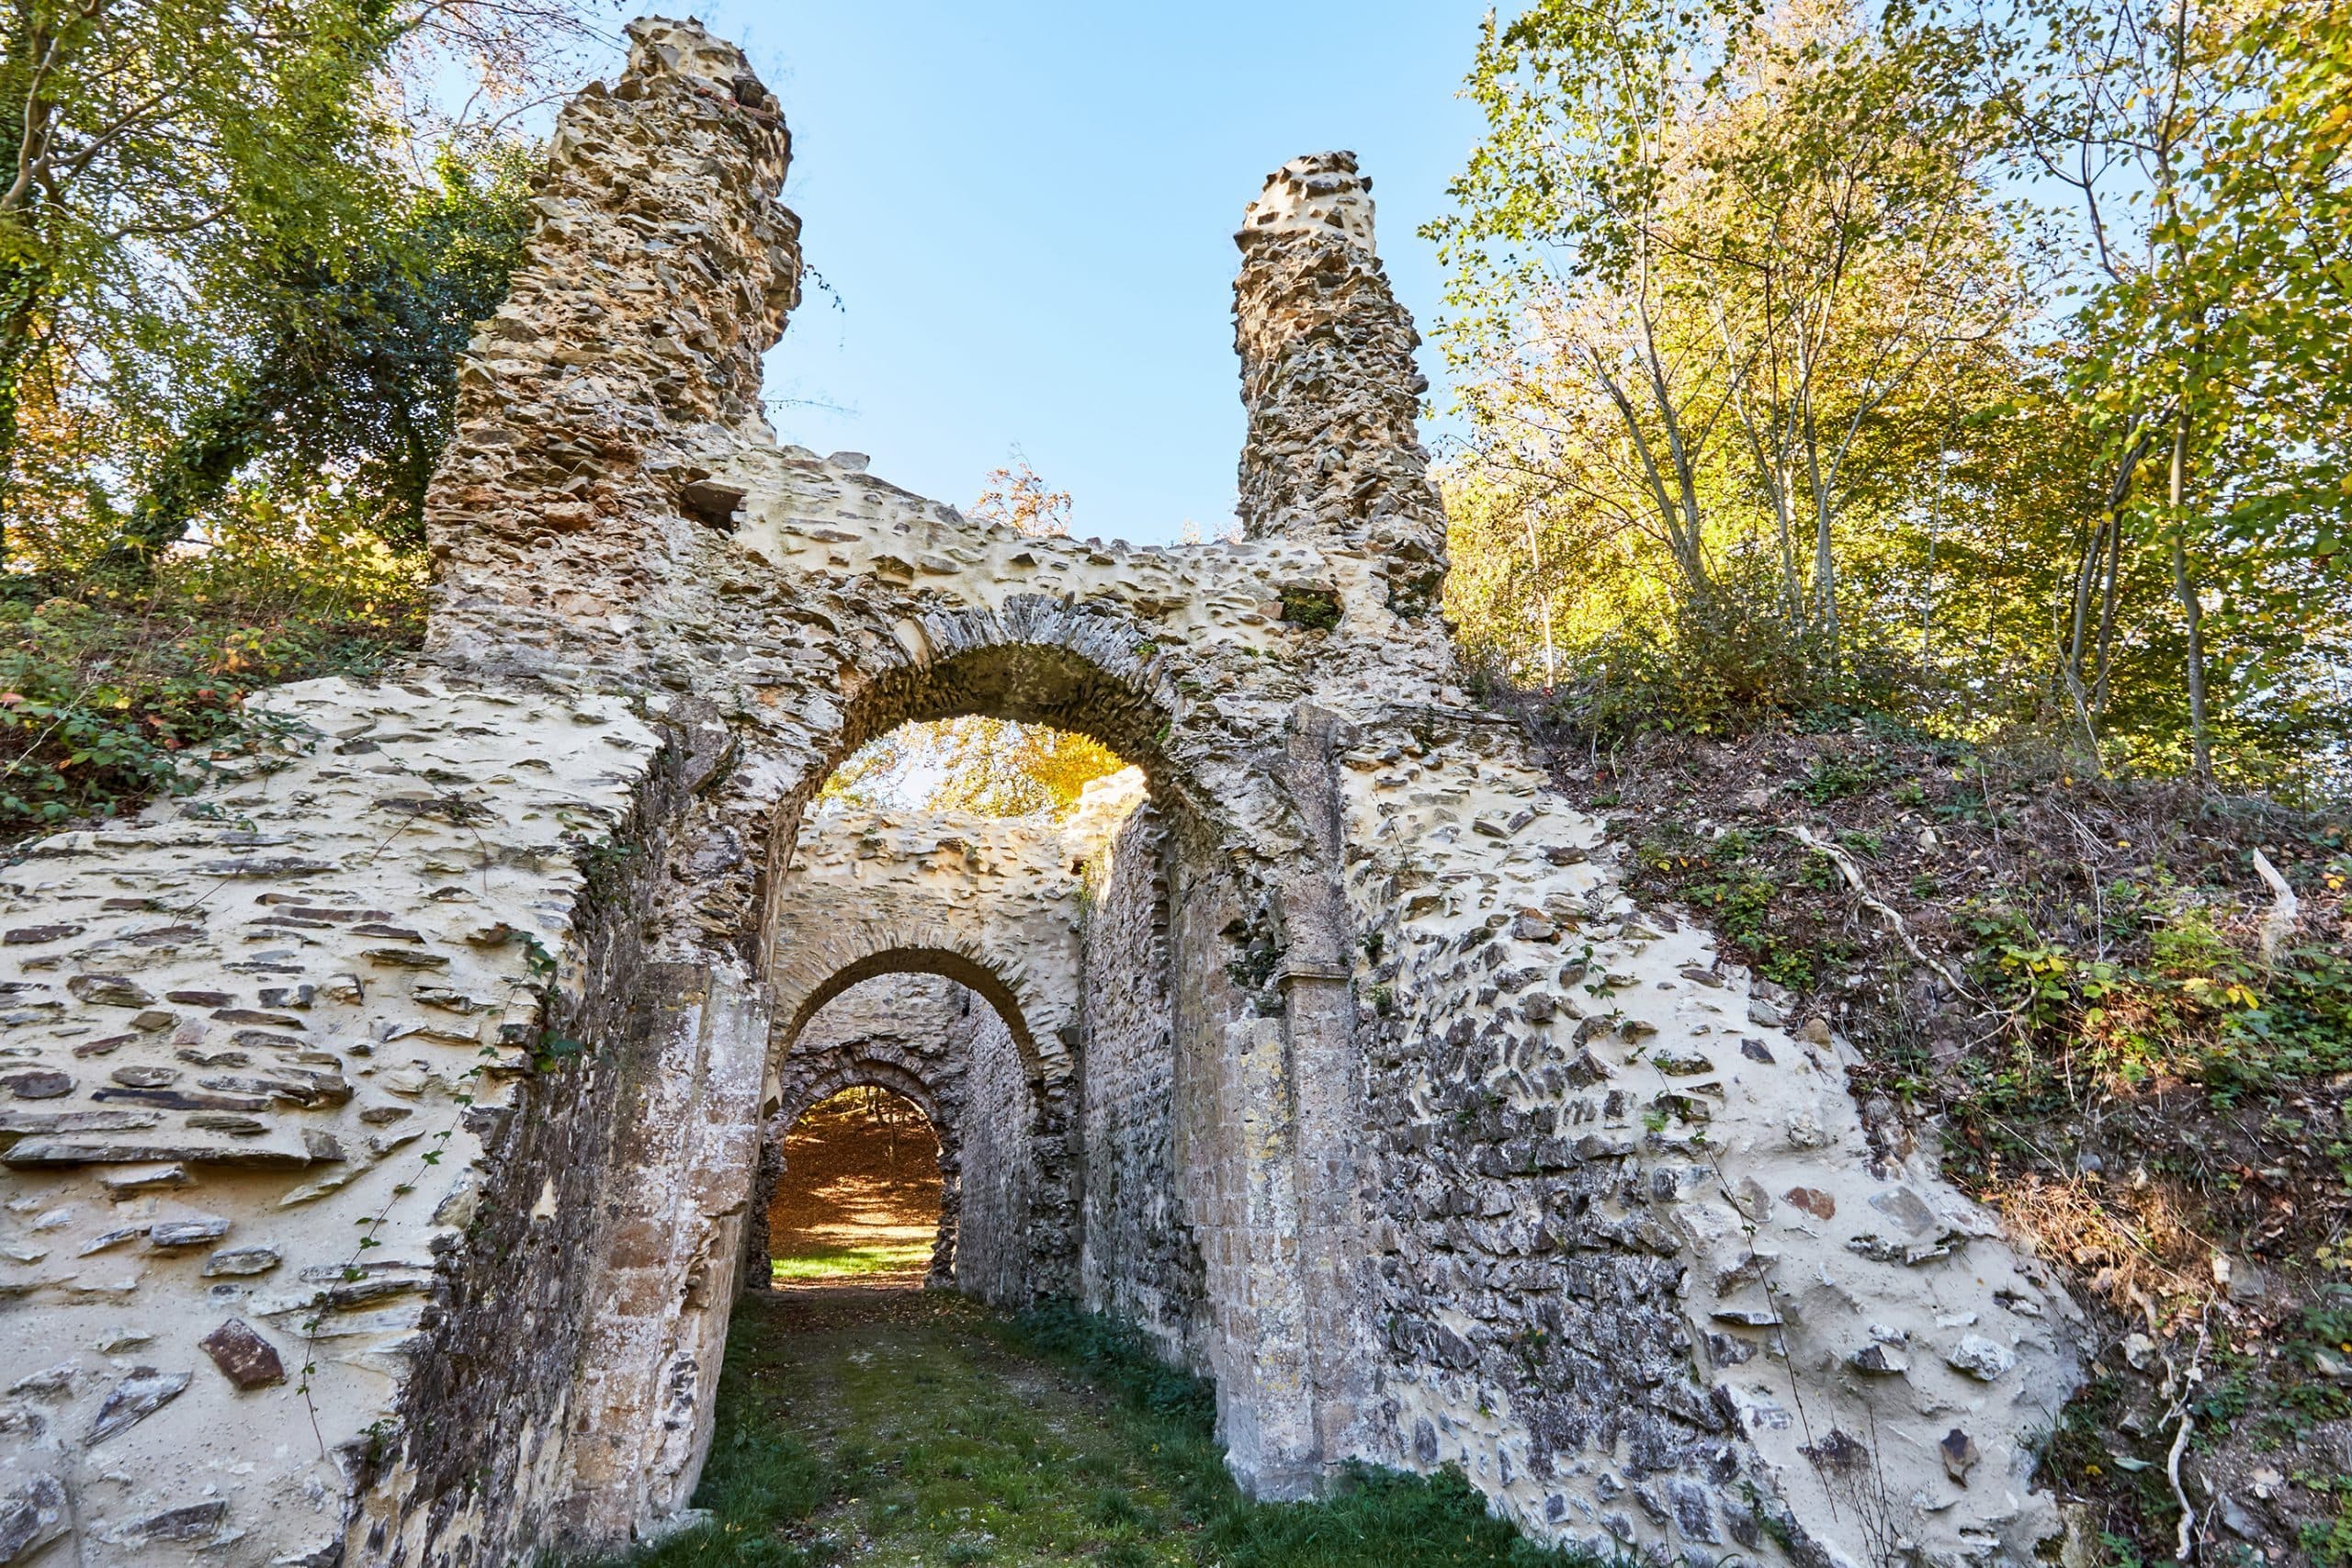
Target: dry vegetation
(2082, 1012)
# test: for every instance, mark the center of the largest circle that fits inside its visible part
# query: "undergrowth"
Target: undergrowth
(2082, 1014)
(110, 695)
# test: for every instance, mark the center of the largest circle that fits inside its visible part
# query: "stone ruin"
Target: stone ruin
(382, 1121)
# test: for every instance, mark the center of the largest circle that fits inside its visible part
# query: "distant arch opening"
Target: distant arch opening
(860, 1199)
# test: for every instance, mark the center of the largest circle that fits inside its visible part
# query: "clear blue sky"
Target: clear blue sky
(1026, 213)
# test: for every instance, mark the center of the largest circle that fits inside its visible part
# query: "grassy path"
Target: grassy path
(914, 1430)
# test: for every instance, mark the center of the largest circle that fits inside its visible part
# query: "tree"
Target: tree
(1711, 269)
(354, 379)
(168, 159)
(1580, 360)
(2204, 141)
(1017, 498)
(148, 144)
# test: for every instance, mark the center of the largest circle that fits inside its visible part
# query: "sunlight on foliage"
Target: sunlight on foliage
(993, 767)
(1982, 365)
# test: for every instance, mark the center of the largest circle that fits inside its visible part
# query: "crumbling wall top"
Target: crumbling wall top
(1319, 193)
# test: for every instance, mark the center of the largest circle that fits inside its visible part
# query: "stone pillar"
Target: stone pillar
(1328, 1103)
(758, 1273)
(1327, 379)
(594, 407)
(666, 1280)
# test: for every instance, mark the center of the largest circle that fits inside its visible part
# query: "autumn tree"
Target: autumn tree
(1709, 271)
(167, 161)
(2202, 143)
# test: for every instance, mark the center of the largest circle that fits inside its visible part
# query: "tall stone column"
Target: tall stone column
(1334, 462)
(594, 407)
(1329, 380)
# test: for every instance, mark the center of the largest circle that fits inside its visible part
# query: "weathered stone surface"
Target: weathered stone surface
(38, 1083)
(243, 1357)
(198, 1232)
(197, 1521)
(237, 1262)
(1343, 1065)
(132, 1400)
(31, 1516)
(107, 990)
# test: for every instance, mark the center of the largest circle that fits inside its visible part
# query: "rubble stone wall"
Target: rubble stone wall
(1482, 1164)
(1138, 1259)
(288, 1059)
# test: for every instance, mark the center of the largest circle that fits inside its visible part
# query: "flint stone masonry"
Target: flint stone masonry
(431, 1043)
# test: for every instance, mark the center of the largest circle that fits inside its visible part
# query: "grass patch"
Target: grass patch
(851, 1264)
(908, 1429)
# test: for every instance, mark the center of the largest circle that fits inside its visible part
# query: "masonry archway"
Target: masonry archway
(1427, 1205)
(872, 949)
(858, 1186)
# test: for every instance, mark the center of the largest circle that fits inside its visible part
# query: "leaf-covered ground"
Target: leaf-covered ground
(2080, 1016)
(858, 1203)
(898, 1427)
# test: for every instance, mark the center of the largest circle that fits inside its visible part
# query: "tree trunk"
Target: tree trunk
(1543, 597)
(20, 294)
(2200, 743)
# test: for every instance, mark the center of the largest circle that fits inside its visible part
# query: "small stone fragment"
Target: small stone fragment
(1906, 1208)
(243, 1357)
(235, 1261)
(1882, 1361)
(132, 1180)
(135, 1398)
(199, 1232)
(108, 991)
(24, 936)
(1960, 1454)
(195, 1522)
(31, 1516)
(1812, 1200)
(52, 1380)
(38, 1083)
(1980, 1358)
(105, 1046)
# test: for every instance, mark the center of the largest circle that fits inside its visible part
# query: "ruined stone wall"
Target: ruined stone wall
(1014, 1236)
(1637, 1269)
(319, 995)
(1482, 1166)
(1139, 1260)
(563, 516)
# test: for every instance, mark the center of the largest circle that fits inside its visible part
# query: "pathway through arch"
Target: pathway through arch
(859, 1198)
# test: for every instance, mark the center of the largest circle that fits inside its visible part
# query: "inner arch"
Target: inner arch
(862, 1197)
(975, 974)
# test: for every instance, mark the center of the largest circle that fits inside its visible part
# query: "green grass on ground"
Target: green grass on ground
(851, 1264)
(902, 1428)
